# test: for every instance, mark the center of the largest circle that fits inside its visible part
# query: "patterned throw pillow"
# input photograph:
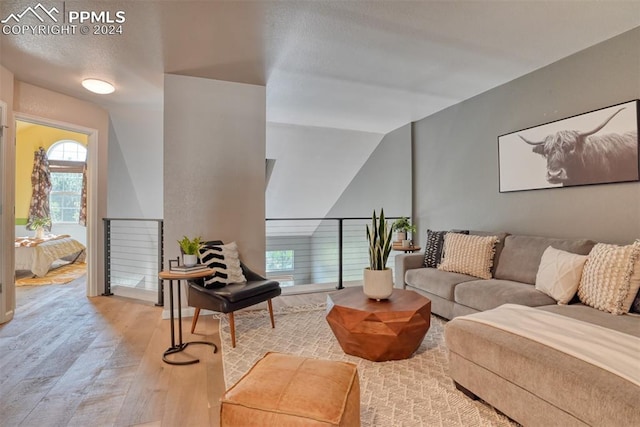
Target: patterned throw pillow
(472, 255)
(559, 274)
(635, 307)
(434, 247)
(225, 262)
(611, 277)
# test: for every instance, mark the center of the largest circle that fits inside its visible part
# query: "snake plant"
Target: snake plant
(379, 237)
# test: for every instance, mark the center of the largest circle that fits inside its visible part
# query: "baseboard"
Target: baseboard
(135, 293)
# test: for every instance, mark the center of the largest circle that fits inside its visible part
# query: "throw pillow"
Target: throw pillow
(635, 307)
(609, 282)
(434, 247)
(559, 274)
(472, 255)
(225, 262)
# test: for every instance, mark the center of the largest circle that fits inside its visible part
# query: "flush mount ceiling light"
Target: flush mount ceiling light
(98, 86)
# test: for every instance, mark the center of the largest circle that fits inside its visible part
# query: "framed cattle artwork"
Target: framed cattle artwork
(598, 147)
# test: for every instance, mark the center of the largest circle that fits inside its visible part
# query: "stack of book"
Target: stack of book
(187, 270)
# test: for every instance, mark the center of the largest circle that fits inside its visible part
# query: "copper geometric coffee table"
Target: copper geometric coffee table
(390, 329)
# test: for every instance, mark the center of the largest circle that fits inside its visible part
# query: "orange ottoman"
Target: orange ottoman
(286, 390)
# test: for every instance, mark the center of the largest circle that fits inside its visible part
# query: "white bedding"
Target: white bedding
(39, 258)
(608, 349)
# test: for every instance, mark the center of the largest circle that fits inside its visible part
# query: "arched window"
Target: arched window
(67, 150)
(66, 163)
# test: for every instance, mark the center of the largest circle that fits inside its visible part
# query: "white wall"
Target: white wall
(135, 161)
(313, 167)
(214, 164)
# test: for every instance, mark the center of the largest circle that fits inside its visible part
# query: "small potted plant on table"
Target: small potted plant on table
(402, 226)
(190, 249)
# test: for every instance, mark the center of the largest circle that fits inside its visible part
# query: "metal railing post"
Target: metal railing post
(107, 257)
(340, 286)
(160, 263)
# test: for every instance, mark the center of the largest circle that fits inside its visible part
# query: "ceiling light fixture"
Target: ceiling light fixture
(98, 86)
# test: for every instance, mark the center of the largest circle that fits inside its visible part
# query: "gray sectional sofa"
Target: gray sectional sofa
(532, 383)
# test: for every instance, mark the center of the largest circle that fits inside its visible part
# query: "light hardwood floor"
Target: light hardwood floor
(69, 360)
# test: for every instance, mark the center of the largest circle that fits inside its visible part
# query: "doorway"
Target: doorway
(65, 153)
(92, 202)
(7, 295)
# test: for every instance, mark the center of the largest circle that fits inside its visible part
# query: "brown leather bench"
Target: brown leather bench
(282, 389)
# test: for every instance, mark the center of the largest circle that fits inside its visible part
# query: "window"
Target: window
(280, 260)
(67, 150)
(66, 161)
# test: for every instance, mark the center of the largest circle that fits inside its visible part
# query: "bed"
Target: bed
(37, 255)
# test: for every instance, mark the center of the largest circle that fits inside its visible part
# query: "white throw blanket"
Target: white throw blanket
(608, 349)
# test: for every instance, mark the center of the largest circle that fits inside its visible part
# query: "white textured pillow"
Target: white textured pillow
(469, 254)
(609, 282)
(225, 262)
(559, 274)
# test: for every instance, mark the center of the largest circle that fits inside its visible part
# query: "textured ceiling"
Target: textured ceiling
(369, 65)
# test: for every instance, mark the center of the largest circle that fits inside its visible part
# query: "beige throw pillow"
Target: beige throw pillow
(559, 274)
(608, 281)
(469, 254)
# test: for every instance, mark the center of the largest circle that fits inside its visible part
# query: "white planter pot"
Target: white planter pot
(39, 233)
(401, 235)
(378, 284)
(189, 260)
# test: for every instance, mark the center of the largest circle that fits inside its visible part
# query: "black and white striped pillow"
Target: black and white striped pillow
(225, 262)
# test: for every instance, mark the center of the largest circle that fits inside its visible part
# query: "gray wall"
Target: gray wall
(456, 158)
(384, 181)
(214, 151)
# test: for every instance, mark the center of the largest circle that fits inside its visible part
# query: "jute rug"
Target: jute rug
(412, 392)
(56, 276)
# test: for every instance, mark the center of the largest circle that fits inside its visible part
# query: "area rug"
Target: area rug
(411, 392)
(56, 276)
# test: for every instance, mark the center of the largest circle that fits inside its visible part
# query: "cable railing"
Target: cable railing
(133, 258)
(302, 251)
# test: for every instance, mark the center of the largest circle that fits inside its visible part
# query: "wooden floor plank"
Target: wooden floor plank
(69, 360)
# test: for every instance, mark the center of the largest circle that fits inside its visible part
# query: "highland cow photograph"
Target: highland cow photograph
(599, 147)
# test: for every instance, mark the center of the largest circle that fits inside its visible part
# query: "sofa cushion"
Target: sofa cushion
(559, 274)
(434, 247)
(524, 378)
(521, 255)
(472, 255)
(440, 283)
(625, 324)
(487, 294)
(499, 246)
(611, 277)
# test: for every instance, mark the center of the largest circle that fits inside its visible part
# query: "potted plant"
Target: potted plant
(39, 224)
(402, 226)
(378, 279)
(190, 249)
